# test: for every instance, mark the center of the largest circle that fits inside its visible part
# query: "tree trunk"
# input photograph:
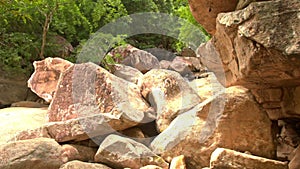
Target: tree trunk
(45, 31)
(48, 19)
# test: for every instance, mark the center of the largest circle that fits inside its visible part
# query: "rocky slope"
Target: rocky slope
(241, 112)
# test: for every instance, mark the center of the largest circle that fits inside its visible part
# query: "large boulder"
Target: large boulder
(32, 154)
(169, 94)
(17, 119)
(121, 152)
(230, 119)
(258, 46)
(141, 60)
(77, 129)
(205, 12)
(44, 80)
(136, 58)
(88, 89)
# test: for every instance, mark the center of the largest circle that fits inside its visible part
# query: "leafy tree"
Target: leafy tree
(26, 26)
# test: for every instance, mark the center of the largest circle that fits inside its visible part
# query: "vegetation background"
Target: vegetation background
(34, 29)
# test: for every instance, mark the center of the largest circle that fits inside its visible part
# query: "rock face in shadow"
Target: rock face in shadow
(13, 88)
(198, 132)
(205, 12)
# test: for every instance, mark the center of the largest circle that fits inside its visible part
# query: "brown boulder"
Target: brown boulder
(136, 58)
(121, 152)
(165, 64)
(44, 80)
(257, 45)
(141, 60)
(168, 93)
(210, 58)
(31, 154)
(205, 12)
(127, 73)
(225, 158)
(88, 89)
(83, 165)
(78, 152)
(295, 161)
(75, 129)
(230, 119)
(182, 66)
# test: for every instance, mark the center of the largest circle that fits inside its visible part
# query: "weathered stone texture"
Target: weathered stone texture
(259, 45)
(225, 158)
(198, 132)
(169, 94)
(32, 154)
(87, 89)
(121, 152)
(44, 80)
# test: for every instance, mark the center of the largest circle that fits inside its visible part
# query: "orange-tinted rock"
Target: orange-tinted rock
(83, 165)
(31, 154)
(169, 94)
(78, 152)
(205, 12)
(136, 58)
(44, 80)
(230, 119)
(257, 46)
(121, 152)
(88, 89)
(225, 158)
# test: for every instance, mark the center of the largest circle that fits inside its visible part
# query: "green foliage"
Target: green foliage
(22, 21)
(21, 26)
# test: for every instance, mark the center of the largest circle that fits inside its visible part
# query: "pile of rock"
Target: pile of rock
(145, 117)
(257, 46)
(98, 120)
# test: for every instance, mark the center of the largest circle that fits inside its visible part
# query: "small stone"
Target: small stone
(226, 158)
(178, 163)
(83, 165)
